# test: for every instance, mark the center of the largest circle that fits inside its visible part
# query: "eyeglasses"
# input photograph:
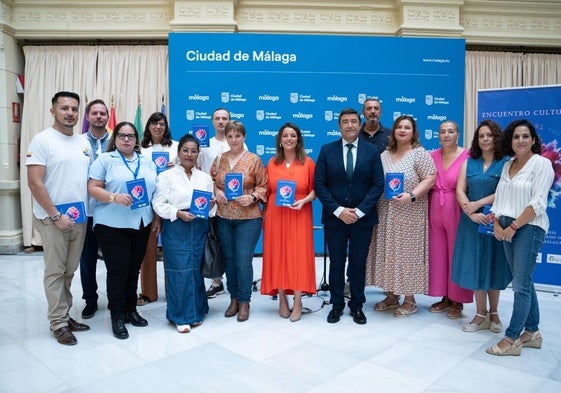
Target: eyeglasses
(161, 124)
(126, 136)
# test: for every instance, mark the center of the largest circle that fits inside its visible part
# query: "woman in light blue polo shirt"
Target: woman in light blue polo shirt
(122, 181)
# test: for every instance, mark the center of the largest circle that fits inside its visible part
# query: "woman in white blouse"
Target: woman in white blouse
(183, 236)
(521, 223)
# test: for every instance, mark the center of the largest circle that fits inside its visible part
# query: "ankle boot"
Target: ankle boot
(243, 313)
(232, 308)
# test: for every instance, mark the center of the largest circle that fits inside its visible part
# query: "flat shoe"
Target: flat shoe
(389, 303)
(75, 326)
(183, 328)
(403, 313)
(441, 306)
(455, 311)
(64, 336)
(514, 350)
(143, 300)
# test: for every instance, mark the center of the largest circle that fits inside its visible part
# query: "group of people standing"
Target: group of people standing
(425, 239)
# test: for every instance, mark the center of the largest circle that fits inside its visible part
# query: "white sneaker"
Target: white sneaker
(183, 328)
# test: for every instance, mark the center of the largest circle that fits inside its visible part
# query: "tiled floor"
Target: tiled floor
(423, 353)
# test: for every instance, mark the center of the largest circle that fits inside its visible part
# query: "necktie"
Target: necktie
(350, 160)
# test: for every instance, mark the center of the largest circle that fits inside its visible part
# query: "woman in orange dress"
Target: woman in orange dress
(288, 244)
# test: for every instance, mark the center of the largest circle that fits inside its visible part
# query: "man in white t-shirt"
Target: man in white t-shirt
(57, 163)
(207, 155)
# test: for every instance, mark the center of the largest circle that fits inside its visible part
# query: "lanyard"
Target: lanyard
(135, 173)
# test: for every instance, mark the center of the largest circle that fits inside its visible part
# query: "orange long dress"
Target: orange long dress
(288, 243)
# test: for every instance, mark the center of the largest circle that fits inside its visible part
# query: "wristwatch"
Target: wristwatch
(57, 216)
(413, 198)
(254, 198)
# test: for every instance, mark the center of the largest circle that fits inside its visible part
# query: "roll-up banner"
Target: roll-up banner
(542, 106)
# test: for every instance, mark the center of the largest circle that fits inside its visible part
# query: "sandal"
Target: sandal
(474, 327)
(143, 300)
(389, 303)
(495, 327)
(455, 311)
(514, 349)
(442, 305)
(403, 312)
(534, 339)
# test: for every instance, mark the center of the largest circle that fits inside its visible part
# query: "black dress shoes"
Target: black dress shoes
(64, 336)
(334, 315)
(358, 316)
(135, 319)
(77, 326)
(119, 328)
(89, 310)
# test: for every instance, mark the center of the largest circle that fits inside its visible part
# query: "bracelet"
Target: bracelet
(57, 216)
(513, 226)
(112, 197)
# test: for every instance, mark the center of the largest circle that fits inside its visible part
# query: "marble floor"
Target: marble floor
(424, 353)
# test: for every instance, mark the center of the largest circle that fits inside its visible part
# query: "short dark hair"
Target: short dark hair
(475, 150)
(111, 144)
(236, 126)
(220, 109)
(95, 102)
(186, 139)
(65, 94)
(348, 111)
(509, 132)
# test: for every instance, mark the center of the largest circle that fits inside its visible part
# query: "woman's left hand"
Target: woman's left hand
(245, 200)
(298, 205)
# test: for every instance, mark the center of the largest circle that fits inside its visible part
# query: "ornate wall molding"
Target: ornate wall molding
(489, 22)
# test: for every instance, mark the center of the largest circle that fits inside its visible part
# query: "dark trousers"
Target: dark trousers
(354, 241)
(123, 250)
(88, 265)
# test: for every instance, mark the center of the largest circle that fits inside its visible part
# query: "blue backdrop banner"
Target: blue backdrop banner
(266, 80)
(542, 106)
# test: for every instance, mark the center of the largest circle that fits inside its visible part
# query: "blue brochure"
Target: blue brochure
(161, 159)
(75, 210)
(286, 190)
(394, 184)
(489, 228)
(200, 203)
(201, 133)
(137, 190)
(233, 185)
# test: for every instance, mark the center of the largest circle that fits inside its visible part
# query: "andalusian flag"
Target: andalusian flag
(138, 120)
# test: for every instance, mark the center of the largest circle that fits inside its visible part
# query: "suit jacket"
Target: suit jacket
(334, 189)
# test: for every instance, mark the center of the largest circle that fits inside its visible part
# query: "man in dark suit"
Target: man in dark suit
(349, 180)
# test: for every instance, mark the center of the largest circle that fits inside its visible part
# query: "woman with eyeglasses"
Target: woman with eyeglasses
(158, 146)
(122, 181)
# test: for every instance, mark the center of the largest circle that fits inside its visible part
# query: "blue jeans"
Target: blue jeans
(237, 243)
(521, 255)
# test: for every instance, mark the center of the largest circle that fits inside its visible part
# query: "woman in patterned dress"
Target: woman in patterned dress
(399, 253)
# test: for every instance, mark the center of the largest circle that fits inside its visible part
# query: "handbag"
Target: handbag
(212, 265)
